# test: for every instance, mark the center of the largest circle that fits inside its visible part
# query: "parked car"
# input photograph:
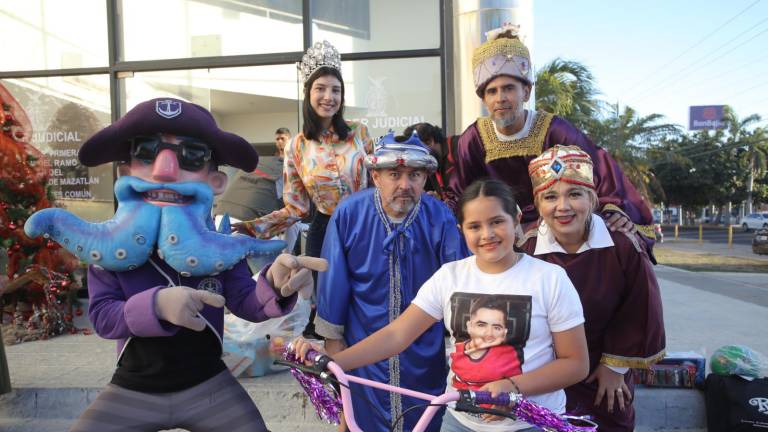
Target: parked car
(760, 241)
(755, 221)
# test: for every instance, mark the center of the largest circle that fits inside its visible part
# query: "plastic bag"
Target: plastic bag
(250, 348)
(739, 360)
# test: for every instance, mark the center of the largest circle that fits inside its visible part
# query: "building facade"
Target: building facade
(75, 66)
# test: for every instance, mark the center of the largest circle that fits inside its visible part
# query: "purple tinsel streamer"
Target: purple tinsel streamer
(539, 416)
(326, 403)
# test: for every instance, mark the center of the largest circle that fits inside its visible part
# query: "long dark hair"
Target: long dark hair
(490, 188)
(313, 127)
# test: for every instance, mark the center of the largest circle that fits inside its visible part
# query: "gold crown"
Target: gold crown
(570, 164)
(322, 54)
(501, 55)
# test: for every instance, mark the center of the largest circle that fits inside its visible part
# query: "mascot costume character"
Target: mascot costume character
(160, 274)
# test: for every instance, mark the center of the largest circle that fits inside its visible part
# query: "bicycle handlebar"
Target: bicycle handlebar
(320, 364)
(323, 367)
(467, 398)
(319, 360)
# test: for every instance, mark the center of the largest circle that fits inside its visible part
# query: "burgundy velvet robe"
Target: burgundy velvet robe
(624, 321)
(480, 154)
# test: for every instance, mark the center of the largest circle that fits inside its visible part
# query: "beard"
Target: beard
(400, 205)
(510, 118)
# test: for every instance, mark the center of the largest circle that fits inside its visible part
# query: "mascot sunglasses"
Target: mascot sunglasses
(191, 154)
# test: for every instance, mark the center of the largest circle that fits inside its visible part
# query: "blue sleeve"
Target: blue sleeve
(333, 286)
(452, 244)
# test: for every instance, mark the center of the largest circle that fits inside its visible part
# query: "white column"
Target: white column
(472, 18)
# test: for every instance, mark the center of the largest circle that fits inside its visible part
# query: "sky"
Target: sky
(662, 56)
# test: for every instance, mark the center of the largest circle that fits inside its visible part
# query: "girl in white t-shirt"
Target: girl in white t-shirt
(543, 329)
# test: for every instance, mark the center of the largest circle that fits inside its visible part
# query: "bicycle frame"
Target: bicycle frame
(462, 400)
(346, 398)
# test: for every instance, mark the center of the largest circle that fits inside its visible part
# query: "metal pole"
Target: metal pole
(701, 233)
(730, 236)
(5, 377)
(677, 227)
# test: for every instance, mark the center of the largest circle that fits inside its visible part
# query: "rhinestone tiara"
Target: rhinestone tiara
(317, 56)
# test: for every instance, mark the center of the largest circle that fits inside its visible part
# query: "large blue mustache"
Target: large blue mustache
(184, 234)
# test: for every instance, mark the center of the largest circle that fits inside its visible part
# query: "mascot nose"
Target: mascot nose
(165, 168)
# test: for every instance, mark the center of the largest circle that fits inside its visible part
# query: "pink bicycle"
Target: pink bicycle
(324, 381)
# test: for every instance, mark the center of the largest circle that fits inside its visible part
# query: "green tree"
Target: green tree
(753, 143)
(567, 88)
(627, 137)
(697, 170)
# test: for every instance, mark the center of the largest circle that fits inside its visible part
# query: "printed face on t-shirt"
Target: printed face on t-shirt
(491, 331)
(487, 327)
(474, 315)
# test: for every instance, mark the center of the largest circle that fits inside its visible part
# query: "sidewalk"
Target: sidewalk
(689, 245)
(54, 380)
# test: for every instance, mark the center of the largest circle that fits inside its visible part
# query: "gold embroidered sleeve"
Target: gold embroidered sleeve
(633, 362)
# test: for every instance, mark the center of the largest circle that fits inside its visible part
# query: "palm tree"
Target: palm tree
(754, 143)
(627, 137)
(567, 88)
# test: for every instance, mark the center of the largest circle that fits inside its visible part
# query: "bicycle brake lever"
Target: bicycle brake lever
(293, 365)
(466, 403)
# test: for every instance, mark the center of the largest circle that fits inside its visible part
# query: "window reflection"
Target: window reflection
(63, 112)
(393, 93)
(207, 28)
(377, 25)
(53, 34)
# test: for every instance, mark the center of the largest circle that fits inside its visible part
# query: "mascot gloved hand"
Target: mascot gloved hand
(160, 274)
(180, 305)
(291, 274)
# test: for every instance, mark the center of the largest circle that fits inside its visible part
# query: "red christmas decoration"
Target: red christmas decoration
(37, 306)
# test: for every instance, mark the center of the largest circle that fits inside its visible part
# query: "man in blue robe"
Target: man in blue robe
(382, 244)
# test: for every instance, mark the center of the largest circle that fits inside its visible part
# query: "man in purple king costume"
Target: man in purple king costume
(167, 320)
(502, 144)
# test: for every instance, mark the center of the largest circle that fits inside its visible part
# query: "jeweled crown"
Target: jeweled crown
(319, 55)
(391, 153)
(570, 164)
(503, 53)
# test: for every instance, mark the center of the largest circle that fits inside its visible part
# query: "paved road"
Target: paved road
(713, 235)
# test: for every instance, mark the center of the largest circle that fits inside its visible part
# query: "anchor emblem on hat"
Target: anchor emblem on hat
(168, 108)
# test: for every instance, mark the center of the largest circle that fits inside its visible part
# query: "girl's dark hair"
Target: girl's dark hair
(313, 127)
(490, 188)
(425, 131)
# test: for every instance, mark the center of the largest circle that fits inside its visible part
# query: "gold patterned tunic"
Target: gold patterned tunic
(481, 153)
